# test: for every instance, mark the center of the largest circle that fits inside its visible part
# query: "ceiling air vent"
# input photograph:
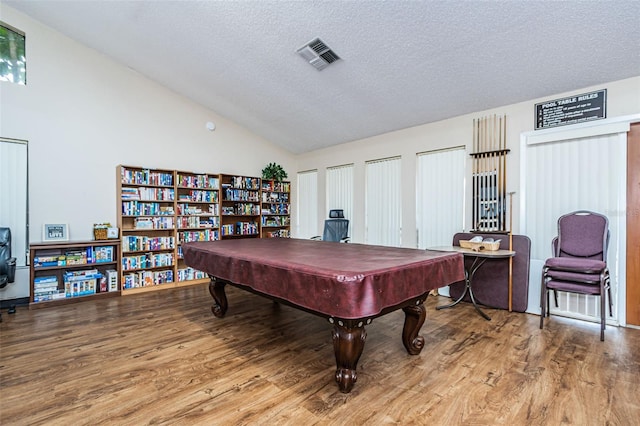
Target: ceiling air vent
(318, 54)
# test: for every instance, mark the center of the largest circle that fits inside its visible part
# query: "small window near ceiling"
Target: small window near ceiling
(13, 62)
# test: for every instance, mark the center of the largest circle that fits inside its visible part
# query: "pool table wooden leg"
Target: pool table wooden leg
(413, 320)
(348, 343)
(220, 305)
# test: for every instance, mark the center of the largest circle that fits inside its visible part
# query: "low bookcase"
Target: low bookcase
(72, 271)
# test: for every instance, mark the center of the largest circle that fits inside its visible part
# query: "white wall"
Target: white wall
(84, 114)
(623, 98)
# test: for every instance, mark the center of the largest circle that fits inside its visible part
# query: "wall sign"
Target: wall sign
(572, 110)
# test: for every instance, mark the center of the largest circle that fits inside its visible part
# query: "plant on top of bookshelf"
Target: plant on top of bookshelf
(274, 171)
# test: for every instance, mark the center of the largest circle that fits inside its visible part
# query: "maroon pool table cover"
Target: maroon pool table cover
(347, 281)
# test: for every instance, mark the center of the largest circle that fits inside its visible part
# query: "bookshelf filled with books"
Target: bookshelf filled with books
(240, 207)
(71, 271)
(275, 205)
(198, 216)
(159, 210)
(147, 223)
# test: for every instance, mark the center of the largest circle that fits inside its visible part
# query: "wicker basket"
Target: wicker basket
(481, 245)
(100, 231)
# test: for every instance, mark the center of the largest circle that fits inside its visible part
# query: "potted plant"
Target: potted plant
(274, 171)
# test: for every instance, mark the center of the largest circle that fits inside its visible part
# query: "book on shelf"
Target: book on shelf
(103, 254)
(81, 283)
(47, 261)
(112, 279)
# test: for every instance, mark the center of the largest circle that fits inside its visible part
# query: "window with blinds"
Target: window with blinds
(587, 173)
(340, 190)
(440, 203)
(383, 202)
(307, 205)
(14, 190)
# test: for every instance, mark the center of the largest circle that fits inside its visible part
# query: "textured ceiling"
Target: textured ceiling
(405, 63)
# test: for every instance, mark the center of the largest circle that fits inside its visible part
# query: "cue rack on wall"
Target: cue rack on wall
(489, 173)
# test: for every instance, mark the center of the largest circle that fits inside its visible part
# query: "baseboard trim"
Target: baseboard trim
(21, 301)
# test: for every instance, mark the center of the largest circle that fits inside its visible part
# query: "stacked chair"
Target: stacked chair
(579, 264)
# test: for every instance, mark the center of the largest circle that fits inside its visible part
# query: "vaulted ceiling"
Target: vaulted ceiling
(403, 63)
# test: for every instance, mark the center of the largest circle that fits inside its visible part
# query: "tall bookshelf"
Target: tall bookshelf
(275, 205)
(147, 223)
(240, 207)
(198, 216)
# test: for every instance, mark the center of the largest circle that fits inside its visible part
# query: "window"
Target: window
(383, 202)
(307, 211)
(440, 196)
(340, 190)
(13, 62)
(595, 180)
(14, 189)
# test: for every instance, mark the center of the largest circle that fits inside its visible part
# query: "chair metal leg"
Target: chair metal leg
(543, 297)
(603, 316)
(607, 285)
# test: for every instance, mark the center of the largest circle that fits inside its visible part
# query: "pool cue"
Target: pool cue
(475, 173)
(511, 248)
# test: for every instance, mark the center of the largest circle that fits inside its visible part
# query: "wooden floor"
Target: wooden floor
(162, 358)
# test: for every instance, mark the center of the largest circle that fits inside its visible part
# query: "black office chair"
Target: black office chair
(336, 228)
(7, 263)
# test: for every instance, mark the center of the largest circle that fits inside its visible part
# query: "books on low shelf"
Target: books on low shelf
(81, 283)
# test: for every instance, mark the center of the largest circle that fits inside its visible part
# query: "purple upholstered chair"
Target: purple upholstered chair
(579, 264)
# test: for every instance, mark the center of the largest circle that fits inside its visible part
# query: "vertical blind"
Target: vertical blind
(576, 174)
(440, 200)
(307, 207)
(340, 190)
(13, 195)
(383, 202)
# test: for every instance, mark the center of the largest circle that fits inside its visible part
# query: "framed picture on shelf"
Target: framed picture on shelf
(55, 232)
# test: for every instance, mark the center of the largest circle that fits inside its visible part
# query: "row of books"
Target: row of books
(204, 235)
(81, 283)
(275, 220)
(145, 177)
(241, 209)
(140, 243)
(147, 260)
(280, 233)
(46, 288)
(240, 228)
(198, 222)
(154, 223)
(244, 182)
(276, 209)
(275, 197)
(199, 196)
(147, 278)
(231, 194)
(197, 209)
(139, 208)
(198, 181)
(76, 284)
(148, 194)
(276, 186)
(88, 255)
(189, 273)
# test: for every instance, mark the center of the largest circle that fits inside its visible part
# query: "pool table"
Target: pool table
(348, 284)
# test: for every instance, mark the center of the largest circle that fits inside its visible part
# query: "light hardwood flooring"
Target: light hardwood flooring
(162, 358)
